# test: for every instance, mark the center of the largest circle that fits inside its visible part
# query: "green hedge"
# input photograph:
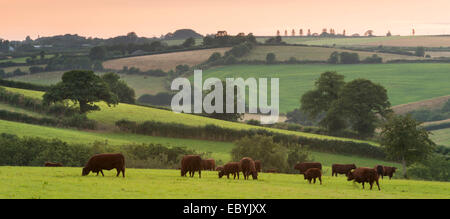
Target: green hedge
(216, 133)
(23, 85)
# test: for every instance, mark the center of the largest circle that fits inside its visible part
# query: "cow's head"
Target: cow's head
(221, 173)
(350, 176)
(393, 169)
(86, 171)
(353, 166)
(255, 175)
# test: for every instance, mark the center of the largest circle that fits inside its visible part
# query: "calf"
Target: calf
(341, 169)
(247, 166)
(312, 174)
(100, 162)
(258, 165)
(230, 168)
(303, 167)
(191, 163)
(363, 175)
(388, 171)
(208, 164)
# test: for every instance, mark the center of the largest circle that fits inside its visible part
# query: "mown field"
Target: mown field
(284, 53)
(46, 183)
(402, 41)
(405, 83)
(109, 115)
(166, 61)
(140, 83)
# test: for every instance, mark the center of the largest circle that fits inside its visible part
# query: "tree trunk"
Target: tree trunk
(83, 107)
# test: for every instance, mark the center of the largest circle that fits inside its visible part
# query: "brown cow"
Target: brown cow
(388, 171)
(191, 163)
(208, 164)
(51, 164)
(364, 174)
(341, 169)
(247, 166)
(380, 170)
(258, 165)
(313, 173)
(100, 162)
(230, 168)
(303, 167)
(219, 168)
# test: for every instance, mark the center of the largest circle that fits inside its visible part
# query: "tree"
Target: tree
(2, 73)
(125, 93)
(360, 102)
(321, 100)
(189, 42)
(83, 88)
(42, 54)
(270, 58)
(334, 58)
(224, 115)
(420, 51)
(97, 53)
(214, 57)
(403, 139)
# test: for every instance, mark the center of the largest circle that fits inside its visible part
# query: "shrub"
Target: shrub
(270, 58)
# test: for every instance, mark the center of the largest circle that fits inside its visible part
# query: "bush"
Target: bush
(270, 58)
(15, 151)
(437, 167)
(270, 153)
(374, 59)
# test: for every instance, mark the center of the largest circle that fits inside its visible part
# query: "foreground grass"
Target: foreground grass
(44, 183)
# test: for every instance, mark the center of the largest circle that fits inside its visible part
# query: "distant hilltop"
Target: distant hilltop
(182, 34)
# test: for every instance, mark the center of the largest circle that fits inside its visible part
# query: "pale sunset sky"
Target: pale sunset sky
(108, 18)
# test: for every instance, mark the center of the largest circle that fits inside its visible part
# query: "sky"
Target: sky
(109, 18)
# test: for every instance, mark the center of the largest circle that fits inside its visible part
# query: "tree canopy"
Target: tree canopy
(83, 88)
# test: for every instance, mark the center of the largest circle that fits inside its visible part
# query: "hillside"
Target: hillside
(405, 83)
(17, 182)
(109, 115)
(166, 61)
(401, 41)
(284, 53)
(434, 103)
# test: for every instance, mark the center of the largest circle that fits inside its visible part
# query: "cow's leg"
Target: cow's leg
(102, 172)
(378, 185)
(118, 172)
(363, 184)
(371, 184)
(320, 179)
(199, 174)
(314, 180)
(98, 173)
(238, 174)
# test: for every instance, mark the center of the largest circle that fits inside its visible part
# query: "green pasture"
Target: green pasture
(50, 182)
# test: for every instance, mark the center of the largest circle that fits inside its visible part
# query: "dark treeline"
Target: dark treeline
(34, 151)
(23, 85)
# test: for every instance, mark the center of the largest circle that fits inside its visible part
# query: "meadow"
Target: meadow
(405, 83)
(140, 83)
(109, 115)
(165, 61)
(284, 53)
(441, 137)
(47, 183)
(401, 41)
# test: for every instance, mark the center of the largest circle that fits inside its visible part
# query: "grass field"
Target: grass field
(405, 83)
(140, 83)
(284, 53)
(218, 150)
(109, 115)
(402, 41)
(45, 183)
(166, 62)
(441, 137)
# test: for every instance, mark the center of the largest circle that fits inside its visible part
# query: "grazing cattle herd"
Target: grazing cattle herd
(193, 163)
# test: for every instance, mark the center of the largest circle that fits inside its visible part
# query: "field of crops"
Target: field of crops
(405, 83)
(166, 61)
(402, 41)
(284, 53)
(44, 183)
(140, 83)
